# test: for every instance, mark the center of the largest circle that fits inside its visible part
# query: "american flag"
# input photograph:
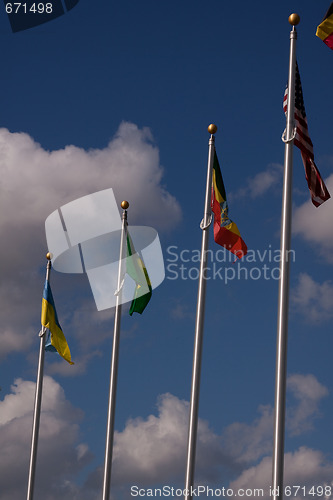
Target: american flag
(318, 190)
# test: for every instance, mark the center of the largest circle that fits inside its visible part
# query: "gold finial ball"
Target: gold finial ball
(294, 19)
(49, 256)
(124, 205)
(212, 129)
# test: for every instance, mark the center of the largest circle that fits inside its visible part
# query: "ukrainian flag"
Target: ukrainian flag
(49, 319)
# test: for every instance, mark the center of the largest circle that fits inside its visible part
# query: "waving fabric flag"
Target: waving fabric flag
(226, 232)
(317, 187)
(325, 28)
(49, 319)
(136, 269)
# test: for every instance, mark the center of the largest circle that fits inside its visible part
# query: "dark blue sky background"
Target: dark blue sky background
(120, 94)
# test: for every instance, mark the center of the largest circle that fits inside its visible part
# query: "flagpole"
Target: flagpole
(283, 298)
(38, 400)
(114, 360)
(199, 323)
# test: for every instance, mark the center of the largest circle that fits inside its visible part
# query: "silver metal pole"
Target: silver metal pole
(114, 361)
(38, 401)
(283, 299)
(200, 314)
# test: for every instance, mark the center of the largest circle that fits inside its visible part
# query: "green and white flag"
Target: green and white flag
(136, 269)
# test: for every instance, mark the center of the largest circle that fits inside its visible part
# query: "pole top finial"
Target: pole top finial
(212, 129)
(124, 205)
(294, 19)
(49, 255)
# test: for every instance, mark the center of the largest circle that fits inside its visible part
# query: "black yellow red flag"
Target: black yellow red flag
(325, 28)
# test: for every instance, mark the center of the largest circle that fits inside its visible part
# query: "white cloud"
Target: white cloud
(248, 442)
(315, 224)
(262, 182)
(154, 448)
(150, 450)
(35, 182)
(59, 452)
(308, 393)
(313, 300)
(305, 467)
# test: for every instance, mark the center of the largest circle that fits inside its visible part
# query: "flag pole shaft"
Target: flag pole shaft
(114, 365)
(283, 297)
(199, 323)
(38, 403)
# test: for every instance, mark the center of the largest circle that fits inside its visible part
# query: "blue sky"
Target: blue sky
(120, 94)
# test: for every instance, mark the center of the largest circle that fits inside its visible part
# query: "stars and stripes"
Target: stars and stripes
(318, 190)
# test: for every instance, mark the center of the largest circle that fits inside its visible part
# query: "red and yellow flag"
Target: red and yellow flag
(325, 28)
(226, 232)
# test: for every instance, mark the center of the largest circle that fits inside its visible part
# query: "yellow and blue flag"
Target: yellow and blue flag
(56, 340)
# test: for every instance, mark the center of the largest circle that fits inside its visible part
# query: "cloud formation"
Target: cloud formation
(60, 454)
(314, 225)
(305, 467)
(35, 182)
(246, 443)
(313, 300)
(262, 182)
(151, 450)
(155, 448)
(308, 393)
